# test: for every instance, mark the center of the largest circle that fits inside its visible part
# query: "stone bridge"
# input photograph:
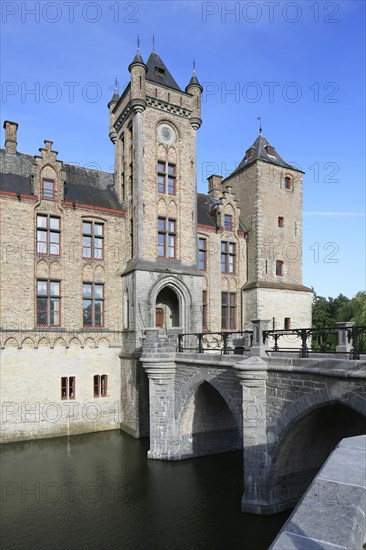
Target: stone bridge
(287, 414)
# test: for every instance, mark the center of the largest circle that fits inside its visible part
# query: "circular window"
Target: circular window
(166, 134)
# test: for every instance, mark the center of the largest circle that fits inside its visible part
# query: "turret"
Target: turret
(195, 89)
(111, 106)
(138, 71)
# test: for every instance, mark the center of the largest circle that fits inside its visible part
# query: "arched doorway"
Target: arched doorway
(167, 309)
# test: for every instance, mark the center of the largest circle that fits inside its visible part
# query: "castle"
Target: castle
(90, 259)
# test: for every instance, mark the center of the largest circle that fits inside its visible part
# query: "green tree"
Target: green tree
(328, 311)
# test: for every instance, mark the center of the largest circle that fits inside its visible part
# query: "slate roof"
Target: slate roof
(137, 59)
(260, 153)
(203, 211)
(194, 81)
(157, 72)
(15, 172)
(203, 207)
(83, 185)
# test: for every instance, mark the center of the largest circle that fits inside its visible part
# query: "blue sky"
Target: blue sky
(298, 65)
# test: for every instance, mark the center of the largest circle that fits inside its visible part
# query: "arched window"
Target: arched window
(288, 183)
(100, 385)
(279, 268)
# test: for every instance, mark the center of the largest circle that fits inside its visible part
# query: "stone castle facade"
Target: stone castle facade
(90, 259)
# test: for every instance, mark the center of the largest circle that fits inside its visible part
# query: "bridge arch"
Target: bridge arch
(304, 436)
(208, 419)
(309, 402)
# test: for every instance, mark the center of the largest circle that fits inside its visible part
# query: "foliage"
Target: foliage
(327, 312)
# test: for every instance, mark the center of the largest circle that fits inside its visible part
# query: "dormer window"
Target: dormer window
(270, 150)
(249, 154)
(159, 70)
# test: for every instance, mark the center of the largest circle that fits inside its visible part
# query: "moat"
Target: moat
(99, 491)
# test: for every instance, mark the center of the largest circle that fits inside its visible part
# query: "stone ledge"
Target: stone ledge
(332, 512)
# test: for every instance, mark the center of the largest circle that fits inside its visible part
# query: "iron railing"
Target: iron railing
(353, 334)
(222, 342)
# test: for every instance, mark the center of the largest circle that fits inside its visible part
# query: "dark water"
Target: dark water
(99, 491)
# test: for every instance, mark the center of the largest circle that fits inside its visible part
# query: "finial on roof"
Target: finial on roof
(137, 59)
(153, 40)
(194, 80)
(260, 123)
(115, 96)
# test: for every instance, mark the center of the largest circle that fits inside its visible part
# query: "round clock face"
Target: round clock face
(166, 134)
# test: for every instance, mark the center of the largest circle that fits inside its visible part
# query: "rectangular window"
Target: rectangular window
(93, 305)
(281, 221)
(161, 177)
(287, 323)
(202, 254)
(100, 385)
(166, 238)
(96, 385)
(48, 188)
(279, 268)
(228, 253)
(166, 177)
(68, 387)
(48, 235)
(48, 303)
(204, 310)
(228, 310)
(93, 237)
(228, 221)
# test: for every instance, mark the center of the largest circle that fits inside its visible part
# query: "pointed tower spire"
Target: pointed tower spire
(159, 73)
(115, 96)
(194, 80)
(137, 60)
(195, 90)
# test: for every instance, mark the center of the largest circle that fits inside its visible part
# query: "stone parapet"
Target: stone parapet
(331, 514)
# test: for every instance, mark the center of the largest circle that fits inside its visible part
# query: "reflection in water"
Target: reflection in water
(99, 491)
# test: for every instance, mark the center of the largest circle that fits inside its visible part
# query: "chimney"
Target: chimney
(214, 186)
(10, 137)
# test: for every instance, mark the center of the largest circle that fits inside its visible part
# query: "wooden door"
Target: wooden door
(159, 317)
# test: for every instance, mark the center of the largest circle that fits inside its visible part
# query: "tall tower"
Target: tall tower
(269, 191)
(153, 126)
